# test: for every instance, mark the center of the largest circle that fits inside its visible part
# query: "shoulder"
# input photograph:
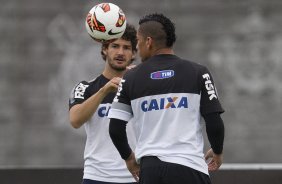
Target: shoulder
(81, 85)
(91, 82)
(84, 84)
(130, 73)
(189, 67)
(193, 64)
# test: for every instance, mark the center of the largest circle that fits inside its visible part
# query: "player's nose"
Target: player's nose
(121, 51)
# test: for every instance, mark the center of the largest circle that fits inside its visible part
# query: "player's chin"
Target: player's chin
(121, 64)
(120, 67)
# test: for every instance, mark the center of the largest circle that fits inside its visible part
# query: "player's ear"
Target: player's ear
(105, 46)
(104, 50)
(149, 42)
(133, 55)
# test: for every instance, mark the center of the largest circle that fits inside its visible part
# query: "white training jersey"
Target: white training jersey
(166, 97)
(102, 160)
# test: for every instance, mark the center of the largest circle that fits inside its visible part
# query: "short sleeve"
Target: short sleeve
(209, 98)
(121, 106)
(79, 94)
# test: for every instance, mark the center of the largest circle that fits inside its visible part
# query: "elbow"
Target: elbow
(76, 126)
(75, 123)
(75, 118)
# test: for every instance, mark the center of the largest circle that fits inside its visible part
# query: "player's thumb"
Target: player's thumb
(208, 154)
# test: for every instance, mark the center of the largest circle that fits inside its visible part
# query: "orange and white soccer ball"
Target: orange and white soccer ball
(105, 21)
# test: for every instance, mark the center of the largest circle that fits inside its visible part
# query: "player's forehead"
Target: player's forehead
(139, 35)
(121, 42)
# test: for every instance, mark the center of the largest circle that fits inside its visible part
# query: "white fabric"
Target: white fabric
(172, 134)
(102, 160)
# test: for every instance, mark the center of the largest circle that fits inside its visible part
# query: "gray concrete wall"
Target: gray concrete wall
(45, 51)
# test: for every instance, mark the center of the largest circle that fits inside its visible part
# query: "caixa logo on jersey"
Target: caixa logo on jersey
(162, 74)
(164, 103)
(103, 111)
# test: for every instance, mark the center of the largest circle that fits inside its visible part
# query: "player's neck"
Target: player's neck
(111, 73)
(163, 51)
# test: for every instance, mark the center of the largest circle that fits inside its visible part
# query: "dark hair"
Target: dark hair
(152, 29)
(128, 35)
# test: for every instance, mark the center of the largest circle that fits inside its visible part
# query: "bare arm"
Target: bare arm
(81, 113)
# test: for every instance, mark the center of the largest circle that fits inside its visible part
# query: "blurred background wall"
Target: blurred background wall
(45, 51)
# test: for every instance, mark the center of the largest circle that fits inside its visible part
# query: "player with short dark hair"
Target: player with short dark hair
(166, 96)
(129, 35)
(89, 104)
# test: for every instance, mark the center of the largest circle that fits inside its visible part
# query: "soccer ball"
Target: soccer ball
(105, 21)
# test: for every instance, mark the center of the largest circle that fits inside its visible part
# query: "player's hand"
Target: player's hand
(214, 160)
(112, 85)
(133, 167)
